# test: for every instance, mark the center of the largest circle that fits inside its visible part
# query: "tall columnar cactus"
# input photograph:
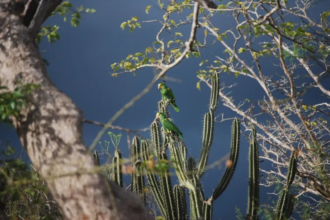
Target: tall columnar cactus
(285, 202)
(233, 158)
(162, 107)
(285, 205)
(166, 189)
(152, 178)
(188, 173)
(215, 92)
(253, 194)
(181, 203)
(137, 180)
(206, 142)
(149, 154)
(209, 126)
(117, 175)
(156, 137)
(195, 193)
(208, 209)
(96, 158)
(291, 170)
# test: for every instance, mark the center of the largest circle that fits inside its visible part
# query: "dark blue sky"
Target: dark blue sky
(80, 67)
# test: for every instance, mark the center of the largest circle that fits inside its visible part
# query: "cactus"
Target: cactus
(117, 175)
(253, 194)
(285, 202)
(235, 141)
(207, 142)
(137, 180)
(156, 137)
(166, 189)
(180, 201)
(183, 154)
(194, 192)
(96, 158)
(291, 170)
(139, 185)
(208, 209)
(214, 92)
(147, 157)
(162, 106)
(152, 179)
(285, 205)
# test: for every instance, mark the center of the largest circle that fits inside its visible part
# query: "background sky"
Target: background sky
(80, 67)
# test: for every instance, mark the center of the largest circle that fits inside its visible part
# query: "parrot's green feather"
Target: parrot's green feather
(170, 126)
(167, 93)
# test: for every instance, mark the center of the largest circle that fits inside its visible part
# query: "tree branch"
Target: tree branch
(46, 7)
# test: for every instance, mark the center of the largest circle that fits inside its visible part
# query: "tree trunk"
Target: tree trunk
(50, 128)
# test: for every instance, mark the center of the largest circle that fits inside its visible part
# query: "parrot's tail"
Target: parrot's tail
(180, 135)
(175, 107)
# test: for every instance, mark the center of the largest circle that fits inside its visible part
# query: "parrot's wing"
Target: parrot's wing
(171, 94)
(171, 126)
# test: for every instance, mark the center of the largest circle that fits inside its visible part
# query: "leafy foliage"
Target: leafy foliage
(64, 10)
(23, 193)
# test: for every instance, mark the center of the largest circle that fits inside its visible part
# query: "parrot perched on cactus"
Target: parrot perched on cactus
(167, 93)
(169, 125)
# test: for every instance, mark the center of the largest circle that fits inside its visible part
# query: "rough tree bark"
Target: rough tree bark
(50, 129)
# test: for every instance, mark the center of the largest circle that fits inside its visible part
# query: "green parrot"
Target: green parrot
(167, 93)
(169, 125)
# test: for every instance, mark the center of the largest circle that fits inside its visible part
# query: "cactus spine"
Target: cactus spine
(253, 194)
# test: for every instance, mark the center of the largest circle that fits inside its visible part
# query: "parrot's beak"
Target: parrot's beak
(157, 115)
(159, 86)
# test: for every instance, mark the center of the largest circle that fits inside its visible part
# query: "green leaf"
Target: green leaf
(203, 61)
(12, 105)
(169, 43)
(90, 10)
(241, 50)
(148, 50)
(178, 34)
(245, 71)
(147, 9)
(198, 86)
(123, 25)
